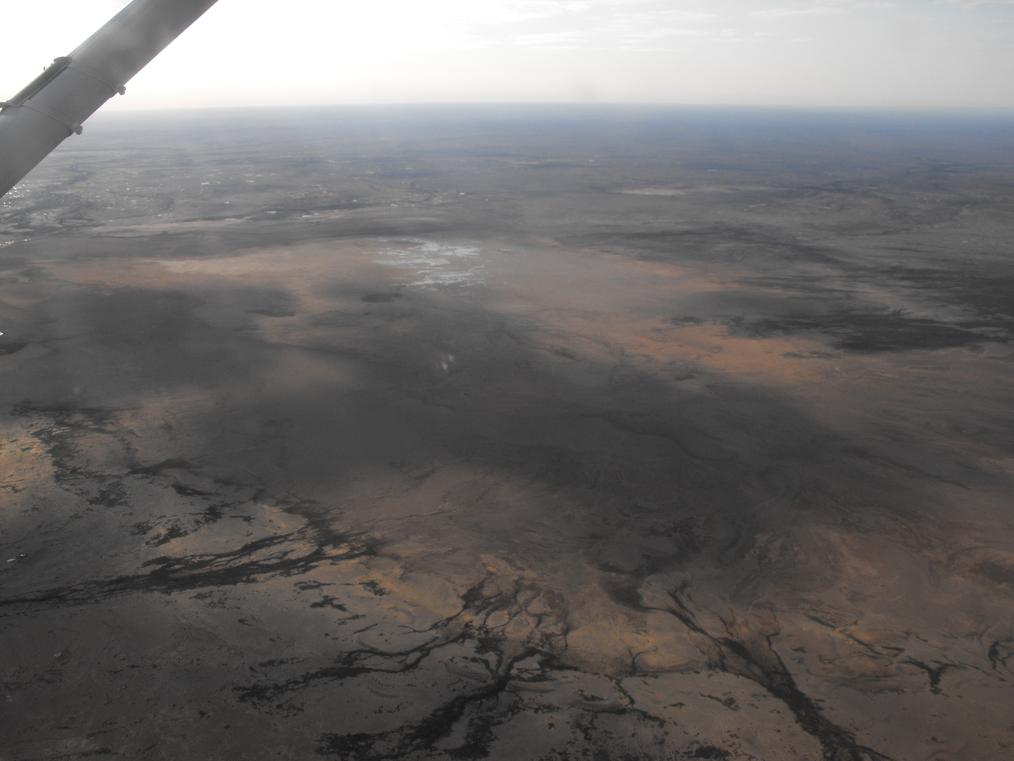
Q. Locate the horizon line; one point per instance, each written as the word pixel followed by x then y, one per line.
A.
pixel 815 108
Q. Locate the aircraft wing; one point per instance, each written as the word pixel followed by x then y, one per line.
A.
pixel 55 105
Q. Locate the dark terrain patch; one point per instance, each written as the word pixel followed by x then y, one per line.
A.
pixel 11 347
pixel 381 298
pixel 864 331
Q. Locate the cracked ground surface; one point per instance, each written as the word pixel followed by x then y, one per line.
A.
pixel 579 436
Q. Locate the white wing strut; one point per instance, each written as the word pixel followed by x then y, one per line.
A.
pixel 55 105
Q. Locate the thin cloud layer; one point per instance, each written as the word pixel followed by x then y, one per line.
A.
pixel 900 53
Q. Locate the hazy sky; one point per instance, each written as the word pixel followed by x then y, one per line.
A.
pixel 905 53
